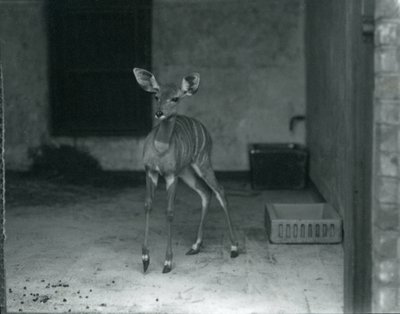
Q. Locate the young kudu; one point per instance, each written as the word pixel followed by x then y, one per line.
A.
pixel 178 147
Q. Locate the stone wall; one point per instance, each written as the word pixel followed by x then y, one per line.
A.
pixel 386 209
pixel 249 53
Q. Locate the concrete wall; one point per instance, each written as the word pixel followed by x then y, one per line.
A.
pixel 249 54
pixel 329 111
pixel 24 55
pixel 250 57
pixel 386 209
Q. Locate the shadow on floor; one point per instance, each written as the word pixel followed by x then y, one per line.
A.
pixel 30 189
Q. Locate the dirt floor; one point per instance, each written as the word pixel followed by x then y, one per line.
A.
pixel 77 248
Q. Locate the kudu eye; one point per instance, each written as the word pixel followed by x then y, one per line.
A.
pixel 156 98
pixel 175 99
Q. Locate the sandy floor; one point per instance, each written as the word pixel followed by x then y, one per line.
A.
pixel 78 249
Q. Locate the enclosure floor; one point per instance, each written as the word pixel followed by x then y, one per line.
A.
pixel 79 249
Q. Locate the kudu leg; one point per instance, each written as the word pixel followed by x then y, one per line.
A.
pixel 171 182
pixel 151 184
pixel 197 184
pixel 206 172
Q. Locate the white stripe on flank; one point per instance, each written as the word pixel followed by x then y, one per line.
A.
pixel 196 137
pixel 204 138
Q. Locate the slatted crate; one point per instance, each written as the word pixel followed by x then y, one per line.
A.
pixel 303 223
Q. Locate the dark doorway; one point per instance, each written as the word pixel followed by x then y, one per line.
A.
pixel 93 47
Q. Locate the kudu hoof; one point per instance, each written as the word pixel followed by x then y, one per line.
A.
pixel 146 264
pixel 193 251
pixel 167 268
pixel 234 254
pixel 234 251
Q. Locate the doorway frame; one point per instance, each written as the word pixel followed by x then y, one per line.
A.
pixel 355 72
pixel 358 228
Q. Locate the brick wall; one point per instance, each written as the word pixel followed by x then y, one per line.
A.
pixel 386 207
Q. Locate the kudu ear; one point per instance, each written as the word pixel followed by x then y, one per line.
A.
pixel 146 80
pixel 190 84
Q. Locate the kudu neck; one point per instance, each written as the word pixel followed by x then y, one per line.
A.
pixel 164 132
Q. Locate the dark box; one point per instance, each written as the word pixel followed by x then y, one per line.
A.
pixel 278 166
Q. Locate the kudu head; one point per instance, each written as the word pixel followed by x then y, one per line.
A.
pixel 167 96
